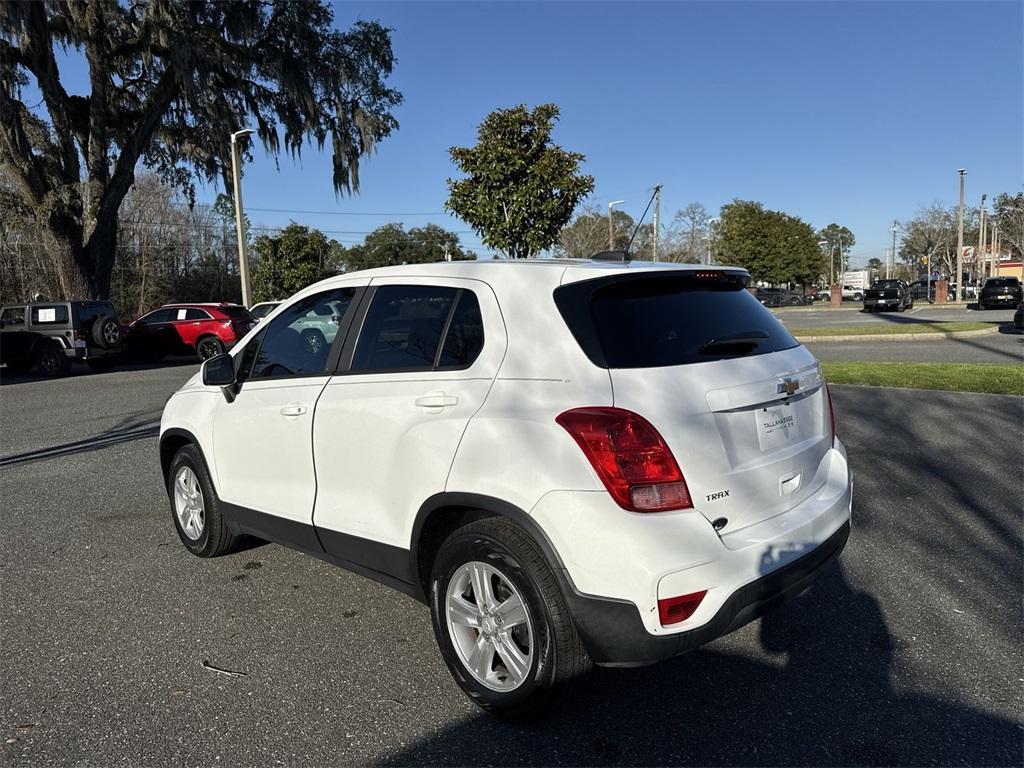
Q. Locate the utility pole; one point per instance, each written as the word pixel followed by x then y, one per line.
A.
pixel 710 256
pixel 960 240
pixel 842 269
pixel 657 217
pixel 888 269
pixel 243 258
pixel 447 256
pixel 611 226
pixel 981 239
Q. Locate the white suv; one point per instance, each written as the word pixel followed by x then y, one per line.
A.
pixel 570 462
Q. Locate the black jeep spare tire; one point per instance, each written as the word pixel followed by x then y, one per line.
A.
pixel 106 332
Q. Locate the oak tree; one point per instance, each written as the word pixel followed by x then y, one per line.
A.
pixel 168 82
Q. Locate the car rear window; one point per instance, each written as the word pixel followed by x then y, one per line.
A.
pixel 1002 282
pixel 886 284
pixel 669 319
pixel 237 313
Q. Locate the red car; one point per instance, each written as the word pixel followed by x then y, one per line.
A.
pixel 181 329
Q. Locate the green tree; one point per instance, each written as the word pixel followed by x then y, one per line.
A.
pixel 520 189
pixel 839 238
pixel 773 246
pixel 390 245
pixel 168 81
pixel 588 233
pixel 1009 216
pixel 291 260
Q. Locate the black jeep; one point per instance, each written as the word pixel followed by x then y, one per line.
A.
pixel 51 335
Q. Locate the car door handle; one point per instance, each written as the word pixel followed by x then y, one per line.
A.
pixel 293 410
pixel 436 400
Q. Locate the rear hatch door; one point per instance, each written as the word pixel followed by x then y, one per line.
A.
pixel 740 402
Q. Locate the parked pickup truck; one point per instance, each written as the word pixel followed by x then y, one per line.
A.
pixel 888 294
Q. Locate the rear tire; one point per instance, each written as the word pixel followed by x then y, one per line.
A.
pixel 521 669
pixel 51 361
pixel 195 507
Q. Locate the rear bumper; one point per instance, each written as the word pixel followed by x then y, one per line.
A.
pixel 614 633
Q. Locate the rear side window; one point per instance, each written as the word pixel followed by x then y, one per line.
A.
pixel 196 314
pixel 298 341
pixel 50 315
pixel 403 328
pixel 465 336
pixel 669 319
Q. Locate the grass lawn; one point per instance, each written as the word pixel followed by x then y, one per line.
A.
pixel 992 378
pixel 892 328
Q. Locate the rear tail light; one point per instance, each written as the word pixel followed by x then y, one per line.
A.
pixel 672 610
pixel 831 417
pixel 630 457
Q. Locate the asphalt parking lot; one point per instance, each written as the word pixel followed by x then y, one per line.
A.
pixel 821 316
pixel 1001 347
pixel 907 653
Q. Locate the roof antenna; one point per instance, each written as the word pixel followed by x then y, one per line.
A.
pixel 639 223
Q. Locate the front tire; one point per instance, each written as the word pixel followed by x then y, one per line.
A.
pixel 501 622
pixel 209 346
pixel 195 508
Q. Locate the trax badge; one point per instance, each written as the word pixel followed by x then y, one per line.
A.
pixel 789 386
pixel 717 495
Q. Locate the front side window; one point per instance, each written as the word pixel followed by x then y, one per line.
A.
pixel 13 317
pixel 298 341
pixel 403 328
pixel 165 315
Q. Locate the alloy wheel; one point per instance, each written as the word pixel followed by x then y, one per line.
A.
pixel 188 503
pixel 490 626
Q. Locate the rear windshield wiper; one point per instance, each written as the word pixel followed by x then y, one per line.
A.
pixel 743 338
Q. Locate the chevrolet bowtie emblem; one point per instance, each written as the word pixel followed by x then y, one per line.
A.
pixel 789 386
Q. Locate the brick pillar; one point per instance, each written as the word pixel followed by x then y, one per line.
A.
pixel 836 295
pixel 941 291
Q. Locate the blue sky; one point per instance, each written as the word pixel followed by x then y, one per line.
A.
pixel 851 112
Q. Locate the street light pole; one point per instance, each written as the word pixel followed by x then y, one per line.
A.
pixel 611 227
pixel 243 259
pixel 709 257
pixel 960 240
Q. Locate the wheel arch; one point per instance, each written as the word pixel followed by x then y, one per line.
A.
pixel 443 513
pixel 171 441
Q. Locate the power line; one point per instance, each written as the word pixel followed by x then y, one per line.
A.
pixel 320 213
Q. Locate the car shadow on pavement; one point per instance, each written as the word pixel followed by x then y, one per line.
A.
pixel 126 431
pixel 828 701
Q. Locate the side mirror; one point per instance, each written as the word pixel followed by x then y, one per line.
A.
pixel 219 371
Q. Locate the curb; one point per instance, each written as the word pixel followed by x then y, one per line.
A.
pixel 896 336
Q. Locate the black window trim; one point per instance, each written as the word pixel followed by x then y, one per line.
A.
pixel 340 338
pixel 344 367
